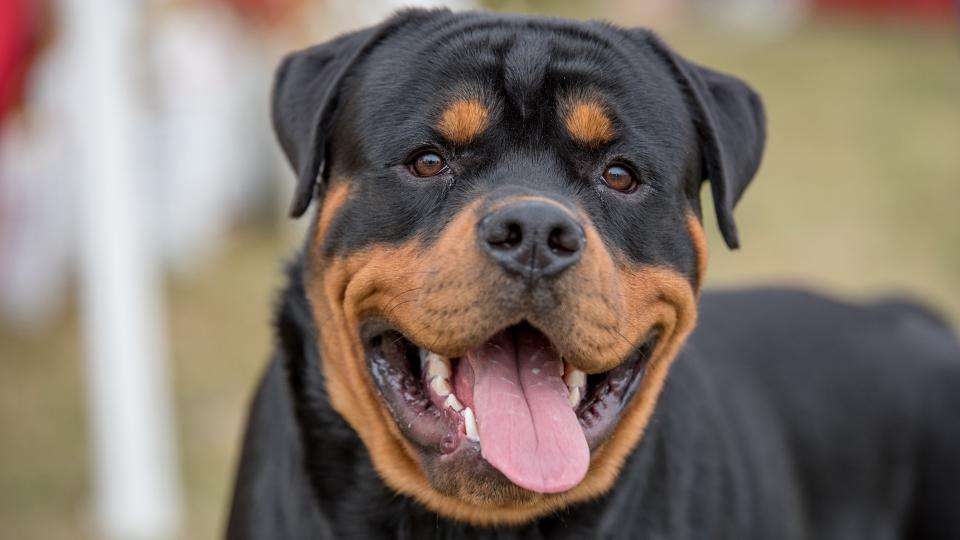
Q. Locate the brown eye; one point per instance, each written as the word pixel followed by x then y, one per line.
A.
pixel 619 178
pixel 427 164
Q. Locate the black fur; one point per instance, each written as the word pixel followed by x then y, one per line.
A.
pixel 786 415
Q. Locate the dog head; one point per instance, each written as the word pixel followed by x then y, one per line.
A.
pixel 508 247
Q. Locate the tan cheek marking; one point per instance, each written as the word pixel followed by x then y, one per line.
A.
pixel 335 197
pixel 351 391
pixel 699 246
pixel 655 297
pixel 588 124
pixel 463 121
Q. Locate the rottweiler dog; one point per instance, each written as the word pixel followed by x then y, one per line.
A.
pixel 504 265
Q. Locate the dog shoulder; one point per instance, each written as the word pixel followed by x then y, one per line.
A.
pixel 272 497
pixel 827 367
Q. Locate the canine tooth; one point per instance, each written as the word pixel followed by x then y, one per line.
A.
pixel 440 386
pixel 574 377
pixel 470 421
pixel 574 397
pixel 438 366
pixel 453 403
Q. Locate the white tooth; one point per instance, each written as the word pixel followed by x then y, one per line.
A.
pixel 574 377
pixel 574 397
pixel 470 421
pixel 440 386
pixel 453 403
pixel 438 366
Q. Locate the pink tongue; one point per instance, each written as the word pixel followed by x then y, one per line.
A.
pixel 528 431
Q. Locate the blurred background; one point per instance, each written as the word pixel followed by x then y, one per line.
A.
pixel 143 232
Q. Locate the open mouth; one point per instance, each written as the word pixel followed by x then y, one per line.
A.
pixel 512 399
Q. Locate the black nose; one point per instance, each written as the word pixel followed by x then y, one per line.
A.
pixel 533 239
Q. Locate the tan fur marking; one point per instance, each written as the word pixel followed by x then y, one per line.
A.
pixel 335 197
pixel 463 120
pixel 699 246
pixel 588 124
pixel 438 295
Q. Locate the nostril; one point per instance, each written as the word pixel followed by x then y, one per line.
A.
pixel 514 235
pixel 563 240
pixel 505 235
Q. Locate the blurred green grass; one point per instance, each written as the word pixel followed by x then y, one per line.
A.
pixel 859 195
pixel 859 192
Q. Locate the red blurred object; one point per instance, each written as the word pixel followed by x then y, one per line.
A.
pixel 921 8
pixel 265 11
pixel 20 33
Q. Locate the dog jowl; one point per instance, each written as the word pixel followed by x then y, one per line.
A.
pixel 506 250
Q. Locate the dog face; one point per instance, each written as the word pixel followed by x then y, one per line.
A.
pixel 508 250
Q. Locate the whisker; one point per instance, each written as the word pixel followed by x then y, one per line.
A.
pixel 434 344
pixel 388 308
pixel 418 272
pixel 627 341
pixel 400 304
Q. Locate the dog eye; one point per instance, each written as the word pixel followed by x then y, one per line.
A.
pixel 427 164
pixel 619 178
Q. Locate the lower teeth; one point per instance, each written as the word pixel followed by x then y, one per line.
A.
pixel 453 403
pixel 470 422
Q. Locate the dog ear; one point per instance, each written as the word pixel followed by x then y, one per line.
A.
pixel 306 92
pixel 731 126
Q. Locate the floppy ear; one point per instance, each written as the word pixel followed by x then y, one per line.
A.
pixel 731 126
pixel 306 92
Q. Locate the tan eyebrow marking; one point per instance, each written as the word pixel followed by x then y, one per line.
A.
pixel 587 122
pixel 463 120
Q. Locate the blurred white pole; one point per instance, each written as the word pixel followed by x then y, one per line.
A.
pixel 135 473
